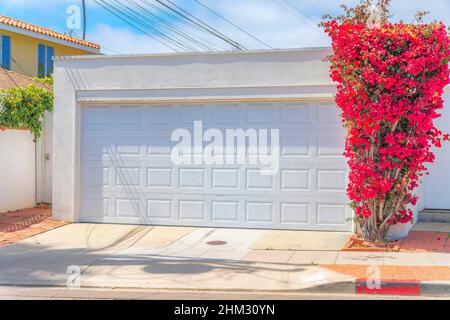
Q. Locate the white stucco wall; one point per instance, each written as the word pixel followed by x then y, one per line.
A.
pixel 17 170
pixel 182 78
pixel 260 75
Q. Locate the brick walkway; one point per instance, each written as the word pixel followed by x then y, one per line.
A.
pixel 420 273
pixel 426 241
pixel 22 224
pixel 416 241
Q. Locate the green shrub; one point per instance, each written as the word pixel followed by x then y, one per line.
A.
pixel 24 107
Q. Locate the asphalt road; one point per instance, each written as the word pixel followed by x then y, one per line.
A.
pixel 60 293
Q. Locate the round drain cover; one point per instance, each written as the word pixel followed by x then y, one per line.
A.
pixel 216 243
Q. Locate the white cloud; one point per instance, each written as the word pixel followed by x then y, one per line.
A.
pixel 265 19
pixel 279 26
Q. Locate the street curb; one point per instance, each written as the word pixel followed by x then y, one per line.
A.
pixel 405 288
pixel 391 287
pixel 344 287
pixel 435 288
pixel 388 287
pixel 425 288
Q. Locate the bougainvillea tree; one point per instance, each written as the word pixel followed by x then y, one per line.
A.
pixel 390 79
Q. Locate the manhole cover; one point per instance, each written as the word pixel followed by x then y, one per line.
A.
pixel 216 243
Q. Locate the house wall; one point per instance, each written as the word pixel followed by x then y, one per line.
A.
pixel 437 183
pixel 17 170
pixel 24 50
pixel 182 78
pixel 285 75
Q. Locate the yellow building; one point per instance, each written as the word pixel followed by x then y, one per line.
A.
pixel 28 49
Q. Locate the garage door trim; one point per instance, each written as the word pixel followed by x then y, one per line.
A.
pixel 79 162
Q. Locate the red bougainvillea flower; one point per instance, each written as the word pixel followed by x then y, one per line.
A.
pixel 390 85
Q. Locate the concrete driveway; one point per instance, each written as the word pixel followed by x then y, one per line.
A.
pixel 102 255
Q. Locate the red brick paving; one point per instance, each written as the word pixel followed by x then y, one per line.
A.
pixel 22 224
pixel 414 273
pixel 426 241
pixel 416 241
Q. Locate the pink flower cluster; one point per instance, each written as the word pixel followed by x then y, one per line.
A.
pixel 390 84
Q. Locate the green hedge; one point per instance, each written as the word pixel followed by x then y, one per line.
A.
pixel 24 107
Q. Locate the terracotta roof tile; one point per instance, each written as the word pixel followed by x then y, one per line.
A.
pixel 9 79
pixel 47 32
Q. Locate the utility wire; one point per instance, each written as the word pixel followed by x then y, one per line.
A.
pixel 233 24
pixel 325 6
pixel 243 47
pixel 135 16
pixel 296 15
pixel 112 50
pixel 287 2
pixel 172 27
pixel 177 18
pixel 9 76
pixel 20 67
pixel 186 15
pixel 104 6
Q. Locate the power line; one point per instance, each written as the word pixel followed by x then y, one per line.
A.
pixel 104 6
pixel 112 50
pixel 233 24
pixel 9 76
pixel 143 21
pixel 295 13
pixel 20 67
pixel 324 6
pixel 177 18
pixel 287 2
pixel 186 15
pixel 171 26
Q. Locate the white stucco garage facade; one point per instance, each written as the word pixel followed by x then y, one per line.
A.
pixel 113 121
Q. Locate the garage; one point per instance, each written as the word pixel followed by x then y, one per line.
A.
pixel 115 119
pixel 127 174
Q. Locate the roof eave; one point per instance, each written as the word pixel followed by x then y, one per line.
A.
pixel 49 38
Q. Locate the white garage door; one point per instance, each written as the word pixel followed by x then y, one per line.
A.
pixel 127 175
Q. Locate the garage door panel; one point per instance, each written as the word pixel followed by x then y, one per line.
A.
pixel 187 210
pixel 328 114
pixel 127 175
pixel 127 117
pixel 97 147
pixel 331 145
pixel 331 214
pixel 296 115
pixel 294 213
pixel 95 205
pixel 95 176
pixel 160 177
pixel 261 116
pixel 160 116
pixel 97 118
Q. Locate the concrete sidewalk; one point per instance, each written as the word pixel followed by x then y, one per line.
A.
pixel 125 256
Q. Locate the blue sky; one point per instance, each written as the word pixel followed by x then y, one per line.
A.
pixel 271 21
